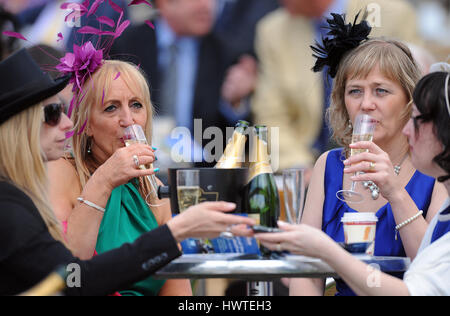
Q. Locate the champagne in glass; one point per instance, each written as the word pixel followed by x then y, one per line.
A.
pixel 188 188
pixel 135 134
pixel 360 138
pixel 363 130
pixel 188 194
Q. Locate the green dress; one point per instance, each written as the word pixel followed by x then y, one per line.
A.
pixel 126 218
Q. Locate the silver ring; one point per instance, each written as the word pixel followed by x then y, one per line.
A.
pixel 136 161
pixel 278 248
pixel 227 233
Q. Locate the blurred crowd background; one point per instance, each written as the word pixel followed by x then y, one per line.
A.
pixel 220 61
pixel 433 17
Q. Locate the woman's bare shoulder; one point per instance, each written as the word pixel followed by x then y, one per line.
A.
pixel 62 171
pixel 64 187
pixel 322 160
pixel 312 214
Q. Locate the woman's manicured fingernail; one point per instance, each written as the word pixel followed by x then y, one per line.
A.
pixel 154 148
pixel 156 170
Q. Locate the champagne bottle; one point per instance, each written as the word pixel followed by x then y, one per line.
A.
pixel 262 193
pixel 233 155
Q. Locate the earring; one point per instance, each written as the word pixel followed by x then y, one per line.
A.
pixel 350 126
pixel 89 144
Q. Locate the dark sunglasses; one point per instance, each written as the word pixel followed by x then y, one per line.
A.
pixel 52 113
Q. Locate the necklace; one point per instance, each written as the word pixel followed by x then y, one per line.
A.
pixel 374 189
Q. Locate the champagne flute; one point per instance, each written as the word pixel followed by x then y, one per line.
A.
pixel 294 194
pixel 135 134
pixel 363 129
pixel 188 188
pixel 188 194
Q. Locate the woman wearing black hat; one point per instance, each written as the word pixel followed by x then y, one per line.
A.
pixel 32 129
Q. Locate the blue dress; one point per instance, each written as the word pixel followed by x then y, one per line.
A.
pixel 420 188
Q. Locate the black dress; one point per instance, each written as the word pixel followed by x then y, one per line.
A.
pixel 28 253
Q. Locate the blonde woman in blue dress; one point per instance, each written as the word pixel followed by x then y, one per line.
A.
pixel 375 77
pixel 429 143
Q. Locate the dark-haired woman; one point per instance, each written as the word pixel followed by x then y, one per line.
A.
pixel 429 273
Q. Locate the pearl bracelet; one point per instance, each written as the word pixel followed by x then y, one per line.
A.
pixel 406 222
pixel 93 205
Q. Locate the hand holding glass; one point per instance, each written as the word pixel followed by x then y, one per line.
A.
pixel 363 129
pixel 294 194
pixel 135 134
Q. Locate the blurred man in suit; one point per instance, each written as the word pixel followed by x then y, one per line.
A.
pixel 288 94
pixel 235 28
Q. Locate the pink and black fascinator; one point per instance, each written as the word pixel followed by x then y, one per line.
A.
pixel 342 38
pixel 87 58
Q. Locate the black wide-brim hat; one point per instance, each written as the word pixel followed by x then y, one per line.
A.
pixel 24 84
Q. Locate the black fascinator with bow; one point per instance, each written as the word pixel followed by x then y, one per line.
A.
pixel 342 38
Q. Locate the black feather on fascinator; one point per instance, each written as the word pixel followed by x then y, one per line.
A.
pixel 342 38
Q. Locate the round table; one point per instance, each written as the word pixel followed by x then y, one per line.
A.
pixel 260 272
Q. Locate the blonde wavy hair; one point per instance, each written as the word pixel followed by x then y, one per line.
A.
pixel 22 162
pixel 94 91
pixel 395 62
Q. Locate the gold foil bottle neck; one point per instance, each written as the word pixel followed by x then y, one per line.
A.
pixel 259 159
pixel 234 154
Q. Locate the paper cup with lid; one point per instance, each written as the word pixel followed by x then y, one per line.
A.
pixel 360 227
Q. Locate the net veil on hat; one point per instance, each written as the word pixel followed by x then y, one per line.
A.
pixel 23 84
